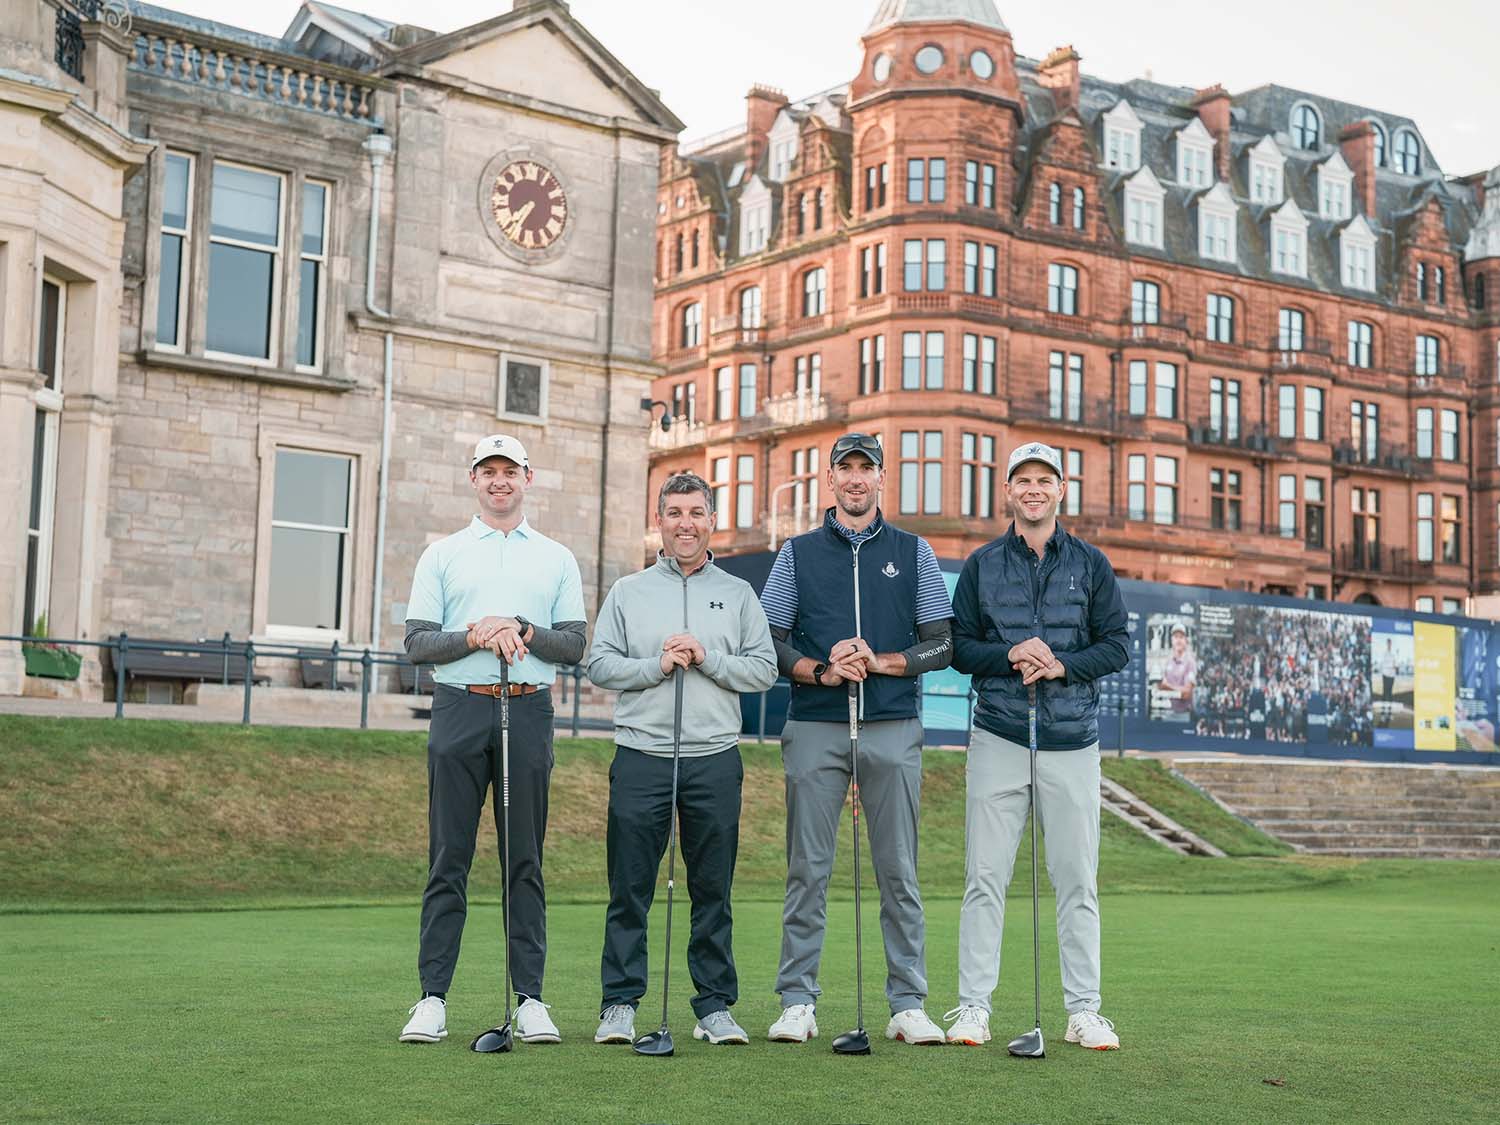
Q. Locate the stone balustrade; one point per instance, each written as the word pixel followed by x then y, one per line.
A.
pixel 241 71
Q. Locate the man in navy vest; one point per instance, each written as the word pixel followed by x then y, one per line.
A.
pixel 860 601
pixel 1040 608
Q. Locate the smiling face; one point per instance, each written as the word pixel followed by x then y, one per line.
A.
pixel 500 486
pixel 1035 493
pixel 856 482
pixel 686 521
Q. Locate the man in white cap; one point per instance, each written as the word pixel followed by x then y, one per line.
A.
pixel 497 590
pixel 1036 608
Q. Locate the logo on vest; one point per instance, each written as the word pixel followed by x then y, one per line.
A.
pixel 715 605
pixel 889 570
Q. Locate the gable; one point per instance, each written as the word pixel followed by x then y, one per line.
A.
pixel 536 63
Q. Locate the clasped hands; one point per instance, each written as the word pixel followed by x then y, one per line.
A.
pixel 501 635
pixel 1035 661
pixel 681 650
pixel 851 661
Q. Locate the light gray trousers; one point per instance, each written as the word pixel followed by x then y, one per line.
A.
pixel 999 780
pixel 816 758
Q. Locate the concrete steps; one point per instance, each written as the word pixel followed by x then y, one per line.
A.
pixel 1151 822
pixel 1359 809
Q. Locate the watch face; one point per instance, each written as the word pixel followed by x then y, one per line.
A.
pixel 528 205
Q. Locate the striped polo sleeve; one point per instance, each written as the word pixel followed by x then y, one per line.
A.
pixel 779 597
pixel 933 603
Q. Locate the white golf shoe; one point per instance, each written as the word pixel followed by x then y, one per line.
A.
pixel 1091 1030
pixel 796 1025
pixel 534 1025
pixel 428 1023
pixel 914 1026
pixel 971 1026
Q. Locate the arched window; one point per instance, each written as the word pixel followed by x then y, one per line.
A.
pixel 691 326
pixel 1307 128
pixel 1062 289
pixel 1479 292
pixel 1408 153
pixel 1380 143
pixel 677 255
pixel 815 292
pixel 695 249
pixel 800 210
pixel 1054 204
pixel 1078 208
pixel 750 307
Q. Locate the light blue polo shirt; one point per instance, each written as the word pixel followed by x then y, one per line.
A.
pixel 480 572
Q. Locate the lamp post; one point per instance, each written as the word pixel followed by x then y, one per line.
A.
pixel 775 493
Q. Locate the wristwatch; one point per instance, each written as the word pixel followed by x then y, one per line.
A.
pixel 524 624
pixel 818 670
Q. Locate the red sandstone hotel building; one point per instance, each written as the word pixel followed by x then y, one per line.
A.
pixel 1262 327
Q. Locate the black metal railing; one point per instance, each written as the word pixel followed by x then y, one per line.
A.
pixel 71 14
pixel 230 661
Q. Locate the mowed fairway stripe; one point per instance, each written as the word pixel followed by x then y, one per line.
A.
pixel 273 1016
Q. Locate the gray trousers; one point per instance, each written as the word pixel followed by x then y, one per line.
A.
pixel 463 762
pixel 816 758
pixel 1067 799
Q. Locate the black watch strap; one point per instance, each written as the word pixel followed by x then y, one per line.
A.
pixel 818 670
pixel 524 624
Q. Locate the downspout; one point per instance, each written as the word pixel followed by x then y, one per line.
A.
pixel 1473 513
pixel 609 379
pixel 1114 426
pixel 379 146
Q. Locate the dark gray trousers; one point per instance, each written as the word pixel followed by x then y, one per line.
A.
pixel 463 761
pixel 640 817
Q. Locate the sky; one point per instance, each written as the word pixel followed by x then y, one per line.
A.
pixel 704 54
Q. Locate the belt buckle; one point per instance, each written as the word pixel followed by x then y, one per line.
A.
pixel 495 690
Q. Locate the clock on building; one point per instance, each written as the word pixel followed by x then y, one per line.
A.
pixel 529 205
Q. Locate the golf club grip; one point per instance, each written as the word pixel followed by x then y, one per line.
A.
pixel 678 678
pixel 853 709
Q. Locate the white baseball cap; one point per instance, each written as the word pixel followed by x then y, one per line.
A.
pixel 500 445
pixel 1034 451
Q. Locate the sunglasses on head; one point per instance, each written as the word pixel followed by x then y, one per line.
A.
pixel 862 443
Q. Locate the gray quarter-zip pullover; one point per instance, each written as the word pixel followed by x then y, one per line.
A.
pixel 640 613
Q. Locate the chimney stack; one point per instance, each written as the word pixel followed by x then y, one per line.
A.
pixel 762 104
pixel 1059 73
pixel 1212 104
pixel 1357 143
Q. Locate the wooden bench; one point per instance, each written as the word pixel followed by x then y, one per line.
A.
pixel 167 660
pixel 318 671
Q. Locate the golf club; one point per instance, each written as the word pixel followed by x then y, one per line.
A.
pixel 499 1039
pixel 856 1042
pixel 1030 1045
pixel 659 1042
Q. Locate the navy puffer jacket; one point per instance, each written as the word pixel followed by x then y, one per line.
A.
pixel 1070 599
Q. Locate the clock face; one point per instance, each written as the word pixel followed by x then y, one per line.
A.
pixel 529 205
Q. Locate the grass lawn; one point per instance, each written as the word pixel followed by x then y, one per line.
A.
pixel 139 860
pixel 1358 996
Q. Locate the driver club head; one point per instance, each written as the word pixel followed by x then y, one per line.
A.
pixel 856 1042
pixel 1028 1046
pixel 496 1040
pixel 656 1043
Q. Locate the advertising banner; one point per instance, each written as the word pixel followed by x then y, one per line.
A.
pixel 1434 692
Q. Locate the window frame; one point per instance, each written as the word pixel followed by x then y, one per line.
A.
pixel 278 253
pixel 184 257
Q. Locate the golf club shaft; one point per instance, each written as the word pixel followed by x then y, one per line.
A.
pixel 859 957
pixel 666 972
pixel 1036 932
pixel 505 816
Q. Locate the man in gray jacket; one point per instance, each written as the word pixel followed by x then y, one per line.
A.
pixel 683 612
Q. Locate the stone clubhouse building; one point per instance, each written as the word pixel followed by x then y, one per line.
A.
pixel 261 295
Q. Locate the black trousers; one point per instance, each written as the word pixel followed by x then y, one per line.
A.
pixel 640 810
pixel 463 761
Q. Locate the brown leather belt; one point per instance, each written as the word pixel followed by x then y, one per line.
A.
pixel 494 690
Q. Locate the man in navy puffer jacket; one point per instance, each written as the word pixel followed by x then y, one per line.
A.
pixel 1040 608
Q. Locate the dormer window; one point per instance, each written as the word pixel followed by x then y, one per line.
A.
pixel 1357 255
pixel 1334 189
pixel 755 217
pixel 1195 150
pixel 1217 224
pixel 1266 163
pixel 783 145
pixel 1289 240
pixel 1143 209
pixel 1408 153
pixel 1378 131
pixel 1307 127
pixel 1122 138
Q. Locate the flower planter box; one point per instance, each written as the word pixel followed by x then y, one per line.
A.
pixel 52 661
